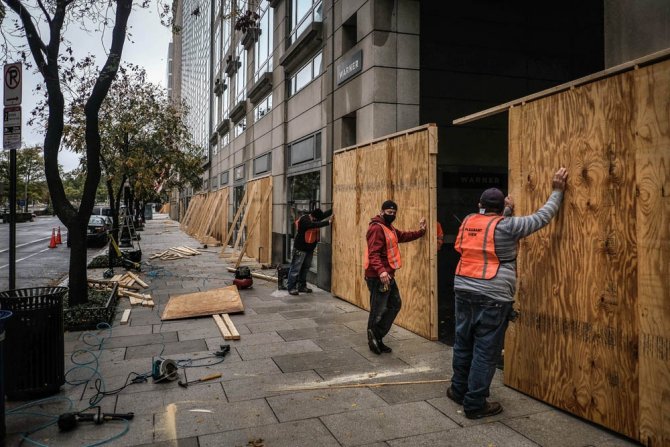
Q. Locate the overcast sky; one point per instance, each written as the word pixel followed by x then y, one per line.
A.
pixel 147 48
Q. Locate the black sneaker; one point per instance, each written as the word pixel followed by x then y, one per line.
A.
pixel 452 396
pixel 293 292
pixel 305 289
pixel 490 409
pixel 373 344
pixel 383 347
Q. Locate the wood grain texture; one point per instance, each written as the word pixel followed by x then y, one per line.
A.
pixel 199 304
pixel 401 168
pixel 259 234
pixel 652 164
pixel 592 286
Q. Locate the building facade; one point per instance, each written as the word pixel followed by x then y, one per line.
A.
pixel 312 76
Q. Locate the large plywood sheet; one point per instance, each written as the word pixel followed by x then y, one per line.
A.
pixel 259 222
pixel 199 304
pixel 652 172
pixel 401 168
pixel 592 286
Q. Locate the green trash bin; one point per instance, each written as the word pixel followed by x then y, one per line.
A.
pixel 34 344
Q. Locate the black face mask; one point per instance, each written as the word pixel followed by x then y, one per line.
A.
pixel 388 219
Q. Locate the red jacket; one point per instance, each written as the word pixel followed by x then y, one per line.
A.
pixel 377 247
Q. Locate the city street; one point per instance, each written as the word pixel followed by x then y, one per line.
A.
pixel 36 263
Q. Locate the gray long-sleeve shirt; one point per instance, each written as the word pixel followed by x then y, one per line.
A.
pixel 508 232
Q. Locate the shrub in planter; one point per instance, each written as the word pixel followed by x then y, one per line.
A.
pixel 100 308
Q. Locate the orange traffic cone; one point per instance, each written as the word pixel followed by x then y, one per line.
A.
pixel 58 240
pixel 52 243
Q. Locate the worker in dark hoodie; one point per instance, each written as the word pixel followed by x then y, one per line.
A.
pixel 308 230
pixel 382 259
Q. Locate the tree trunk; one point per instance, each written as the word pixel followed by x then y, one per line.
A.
pixel 78 292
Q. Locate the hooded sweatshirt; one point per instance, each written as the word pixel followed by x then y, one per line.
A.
pixel 377 246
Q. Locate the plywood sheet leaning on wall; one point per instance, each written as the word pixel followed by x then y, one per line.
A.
pixel 400 167
pixel 259 224
pixel 207 216
pixel 592 286
pixel 652 173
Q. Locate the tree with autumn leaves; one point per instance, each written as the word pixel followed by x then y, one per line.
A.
pixel 144 140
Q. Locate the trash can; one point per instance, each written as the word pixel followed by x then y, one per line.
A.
pixel 4 315
pixel 34 345
pixel 282 276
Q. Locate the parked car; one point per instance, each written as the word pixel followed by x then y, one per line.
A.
pixel 96 233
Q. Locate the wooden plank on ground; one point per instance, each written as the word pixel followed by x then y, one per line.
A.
pixel 125 317
pixel 200 304
pixel 225 333
pixel 231 327
pixel 137 279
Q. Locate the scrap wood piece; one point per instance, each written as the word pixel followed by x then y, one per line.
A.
pixel 135 301
pixel 200 304
pixel 125 317
pixel 225 333
pixel 231 327
pixel 137 279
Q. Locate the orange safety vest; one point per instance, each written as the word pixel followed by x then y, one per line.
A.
pixel 392 249
pixel 311 235
pixel 476 244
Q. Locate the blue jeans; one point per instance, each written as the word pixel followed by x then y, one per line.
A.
pixel 481 323
pixel 300 263
pixel 384 307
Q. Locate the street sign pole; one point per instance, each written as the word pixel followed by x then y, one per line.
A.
pixel 11 138
pixel 12 219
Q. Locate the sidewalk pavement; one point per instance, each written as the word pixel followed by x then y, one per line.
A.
pixel 287 343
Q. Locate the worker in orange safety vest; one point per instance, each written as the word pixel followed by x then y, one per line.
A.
pixel 307 235
pixel 484 288
pixel 381 260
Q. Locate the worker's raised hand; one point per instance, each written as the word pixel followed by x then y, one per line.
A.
pixel 559 180
pixel 422 224
pixel 509 202
pixel 331 218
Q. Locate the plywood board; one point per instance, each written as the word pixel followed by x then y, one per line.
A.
pixel 198 304
pixel 401 168
pixel 592 337
pixel 259 238
pixel 652 173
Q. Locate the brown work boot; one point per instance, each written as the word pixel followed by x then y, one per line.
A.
pixel 490 409
pixel 451 395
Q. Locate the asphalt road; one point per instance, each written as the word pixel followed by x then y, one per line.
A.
pixel 36 264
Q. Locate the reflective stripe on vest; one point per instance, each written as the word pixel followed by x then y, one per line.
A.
pixel 476 244
pixel 312 235
pixel 392 249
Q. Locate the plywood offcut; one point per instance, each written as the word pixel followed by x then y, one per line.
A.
pixel 199 304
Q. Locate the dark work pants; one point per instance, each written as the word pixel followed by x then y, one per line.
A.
pixel 481 323
pixel 384 307
pixel 300 264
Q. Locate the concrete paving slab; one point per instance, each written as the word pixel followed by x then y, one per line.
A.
pixel 557 429
pixel 251 317
pixel 343 341
pixel 268 385
pixel 165 349
pixel 307 433
pixel 136 340
pixel 360 427
pixel 278 325
pixel 196 419
pixel 246 340
pixel 242 369
pixel 395 394
pixel 322 359
pixel 365 371
pixel 184 442
pixel 309 313
pixel 277 307
pixel 492 434
pixel 280 349
pixel 157 401
pixel 359 316
pixel 308 404
pixel 324 331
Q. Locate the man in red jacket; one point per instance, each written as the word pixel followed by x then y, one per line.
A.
pixel 382 260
